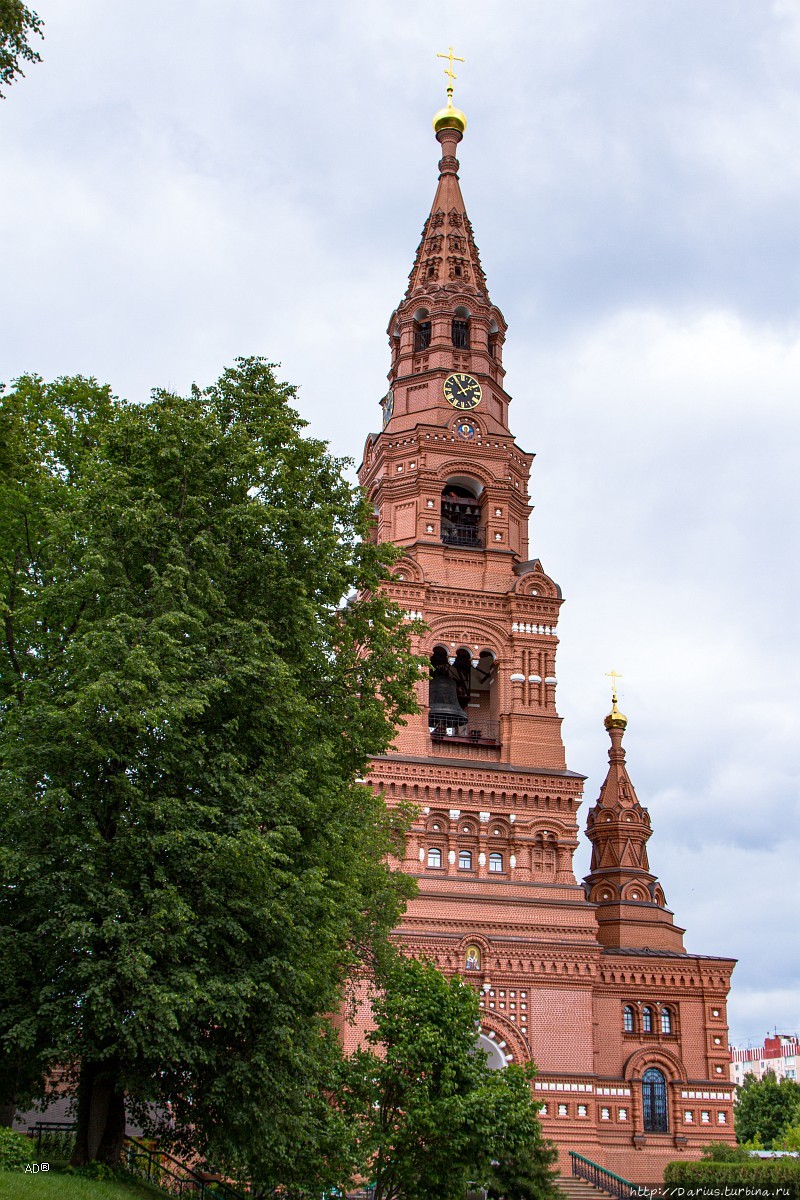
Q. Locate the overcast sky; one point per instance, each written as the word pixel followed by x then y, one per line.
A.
pixel 184 182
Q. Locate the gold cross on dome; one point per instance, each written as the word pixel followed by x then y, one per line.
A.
pixel 451 58
pixel 614 676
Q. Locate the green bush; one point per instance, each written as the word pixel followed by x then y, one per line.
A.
pixel 98 1171
pixel 781 1173
pixel 725 1152
pixel 15 1150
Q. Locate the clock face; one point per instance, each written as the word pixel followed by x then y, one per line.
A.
pixel 387 404
pixel 462 391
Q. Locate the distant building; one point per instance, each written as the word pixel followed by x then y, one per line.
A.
pixel 780 1053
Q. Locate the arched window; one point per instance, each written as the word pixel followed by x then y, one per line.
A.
pixel 464 860
pixel 666 1021
pixel 495 862
pixel 627 1019
pixel 434 857
pixel 492 340
pixel 654 1101
pixel 460 334
pixel 647 1020
pixel 460 327
pixel 422 330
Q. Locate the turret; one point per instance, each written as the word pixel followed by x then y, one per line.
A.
pixel 631 907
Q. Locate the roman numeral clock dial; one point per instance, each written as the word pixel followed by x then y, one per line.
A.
pixel 462 391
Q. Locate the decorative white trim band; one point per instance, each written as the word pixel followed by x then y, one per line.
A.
pixel 545 1086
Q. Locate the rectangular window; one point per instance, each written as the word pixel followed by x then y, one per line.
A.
pixel 583 1110
pixel 705 1118
pixel 688 1117
pixel 623 1114
pixel 722 1118
pixel 605 1114
pixel 562 1110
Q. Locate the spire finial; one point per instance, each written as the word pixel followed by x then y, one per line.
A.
pixel 449 72
pixel 615 719
pixel 450 117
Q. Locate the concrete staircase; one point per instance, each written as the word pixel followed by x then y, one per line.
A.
pixel 578 1189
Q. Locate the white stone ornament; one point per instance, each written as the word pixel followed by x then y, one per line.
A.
pixel 481 860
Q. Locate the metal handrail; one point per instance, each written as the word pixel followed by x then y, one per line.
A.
pixel 483 734
pixel 469 536
pixel 601 1177
pixel 153 1165
pixel 172 1175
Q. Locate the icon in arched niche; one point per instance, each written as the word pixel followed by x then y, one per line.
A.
pixel 472 961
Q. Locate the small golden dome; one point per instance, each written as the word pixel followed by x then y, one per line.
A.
pixel 615 719
pixel 449 118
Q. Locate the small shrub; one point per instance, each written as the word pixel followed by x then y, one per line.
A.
pixel 98 1171
pixel 724 1152
pixel 15 1150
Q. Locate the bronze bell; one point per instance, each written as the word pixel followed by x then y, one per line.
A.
pixel 444 710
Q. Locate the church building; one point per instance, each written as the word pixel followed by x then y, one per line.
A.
pixel 588 978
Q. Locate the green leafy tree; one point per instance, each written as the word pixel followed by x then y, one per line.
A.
pixel 189 867
pixel 765 1108
pixel 790 1137
pixel 17 26
pixel 433 1116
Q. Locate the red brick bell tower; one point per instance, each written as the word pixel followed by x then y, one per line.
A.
pixel 565 970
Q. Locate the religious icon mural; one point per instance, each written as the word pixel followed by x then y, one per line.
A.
pixel 473 959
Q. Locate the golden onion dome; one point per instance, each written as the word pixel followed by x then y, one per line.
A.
pixel 615 719
pixel 449 118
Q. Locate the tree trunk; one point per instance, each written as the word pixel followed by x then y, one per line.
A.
pixel 7 1112
pixel 100 1117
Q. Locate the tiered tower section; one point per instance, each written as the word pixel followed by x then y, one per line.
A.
pixel 484 762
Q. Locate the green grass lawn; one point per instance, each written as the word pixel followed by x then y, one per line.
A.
pixel 16 1185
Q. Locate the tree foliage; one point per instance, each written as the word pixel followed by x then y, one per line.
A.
pixel 17 25
pixel 433 1116
pixel 789 1139
pixel 765 1108
pixel 189 865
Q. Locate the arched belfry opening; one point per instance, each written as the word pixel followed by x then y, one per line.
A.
pixel 461 514
pixel 460 327
pixel 422 330
pixel 492 343
pixel 460 695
